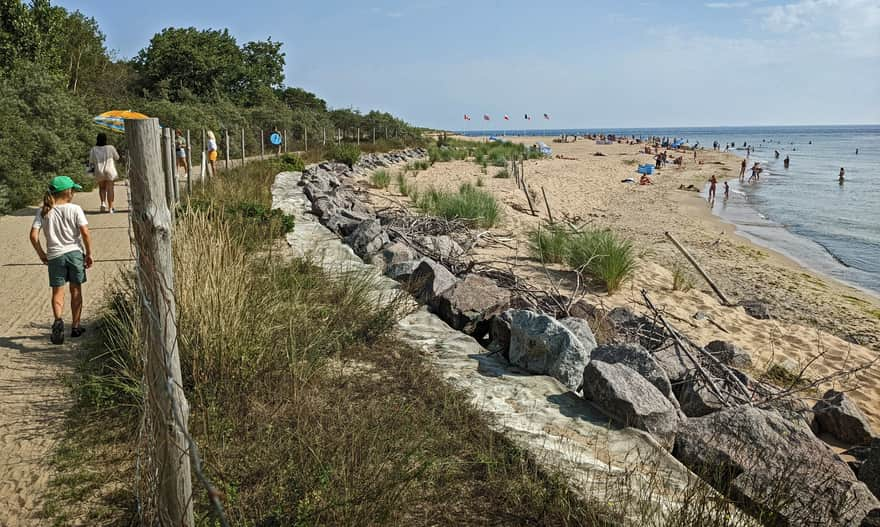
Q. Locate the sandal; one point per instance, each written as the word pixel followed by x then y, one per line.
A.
pixel 77 331
pixel 58 332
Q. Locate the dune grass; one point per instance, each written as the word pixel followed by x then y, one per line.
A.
pixel 380 178
pixel 306 409
pixel 599 254
pixel 469 203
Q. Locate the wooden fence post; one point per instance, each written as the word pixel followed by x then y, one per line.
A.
pixel 285 140
pixel 359 136
pixel 189 163
pixel 374 135
pixel 262 145
pixel 306 138
pixel 227 149
pixel 152 224
pixel 242 147
pixel 204 175
pixel 167 168
pixel 323 136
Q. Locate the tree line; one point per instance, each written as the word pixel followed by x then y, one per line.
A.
pixel 56 73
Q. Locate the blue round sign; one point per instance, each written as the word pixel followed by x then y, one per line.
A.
pixel 275 138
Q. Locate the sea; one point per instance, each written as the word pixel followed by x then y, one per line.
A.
pixel 803 212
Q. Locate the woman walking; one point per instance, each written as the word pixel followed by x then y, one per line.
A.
pixel 68 251
pixel 102 158
pixel 212 152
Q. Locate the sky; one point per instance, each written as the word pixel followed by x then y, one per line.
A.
pixel 589 64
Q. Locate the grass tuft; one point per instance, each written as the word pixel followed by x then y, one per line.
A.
pixel 380 179
pixel 469 203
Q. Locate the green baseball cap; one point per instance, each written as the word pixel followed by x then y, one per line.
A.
pixel 62 183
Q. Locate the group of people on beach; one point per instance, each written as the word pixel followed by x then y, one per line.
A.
pixel 68 252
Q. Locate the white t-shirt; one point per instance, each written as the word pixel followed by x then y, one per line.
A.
pixel 102 157
pixel 61 228
pixel 212 145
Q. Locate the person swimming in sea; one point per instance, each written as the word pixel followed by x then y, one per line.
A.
pixel 786 161
pixel 840 177
pixel 776 153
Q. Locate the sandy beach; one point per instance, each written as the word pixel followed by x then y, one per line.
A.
pixel 818 323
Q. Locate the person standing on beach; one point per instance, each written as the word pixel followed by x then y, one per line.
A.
pixel 68 251
pixel 102 159
pixel 726 191
pixel 713 181
pixel 742 170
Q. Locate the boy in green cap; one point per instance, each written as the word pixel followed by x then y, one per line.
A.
pixel 68 251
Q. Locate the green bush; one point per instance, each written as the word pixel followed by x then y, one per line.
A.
pixel 380 179
pixel 602 255
pixel 502 174
pixel 292 163
pixel 403 184
pixel 469 203
pixel 344 153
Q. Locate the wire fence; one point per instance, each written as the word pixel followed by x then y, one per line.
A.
pixel 167 455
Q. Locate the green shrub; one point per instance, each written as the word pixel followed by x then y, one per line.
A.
pixel 550 244
pixel 480 182
pixel 344 153
pixel 602 255
pixel 292 163
pixel 469 203
pixel 380 179
pixel 502 174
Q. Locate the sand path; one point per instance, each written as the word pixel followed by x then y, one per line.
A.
pixel 33 398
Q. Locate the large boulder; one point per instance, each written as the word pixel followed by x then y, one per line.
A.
pixel 499 335
pixel 428 280
pixel 697 398
pixel 773 467
pixel 677 366
pixel 393 254
pixel 629 399
pixel 638 359
pixel 442 247
pixel 367 238
pixel 581 330
pixel 869 472
pixel 470 304
pixel 541 344
pixel 838 415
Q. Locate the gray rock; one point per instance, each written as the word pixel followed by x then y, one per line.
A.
pixel 756 309
pixel 677 365
pixel 367 238
pixel 729 353
pixel 393 254
pixel 773 467
pixel 637 358
pixel 582 331
pixel 341 225
pixel 697 399
pixel 402 272
pixel 469 304
pixel 838 415
pixel 429 279
pixel 442 247
pixel 541 344
pixel 499 335
pixel 629 399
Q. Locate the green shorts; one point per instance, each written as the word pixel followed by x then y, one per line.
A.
pixel 69 267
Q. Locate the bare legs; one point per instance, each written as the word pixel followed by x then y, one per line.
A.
pixel 106 193
pixel 76 302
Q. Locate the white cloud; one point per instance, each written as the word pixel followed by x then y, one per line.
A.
pixel 850 26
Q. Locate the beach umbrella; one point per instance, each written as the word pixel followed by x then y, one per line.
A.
pixel 114 120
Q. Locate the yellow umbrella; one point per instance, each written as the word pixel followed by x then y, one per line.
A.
pixel 114 119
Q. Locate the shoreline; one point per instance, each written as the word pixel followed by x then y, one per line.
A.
pixel 817 322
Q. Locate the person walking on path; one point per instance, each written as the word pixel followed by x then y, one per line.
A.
pixel 68 251
pixel 180 148
pixel 212 152
pixel 102 159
